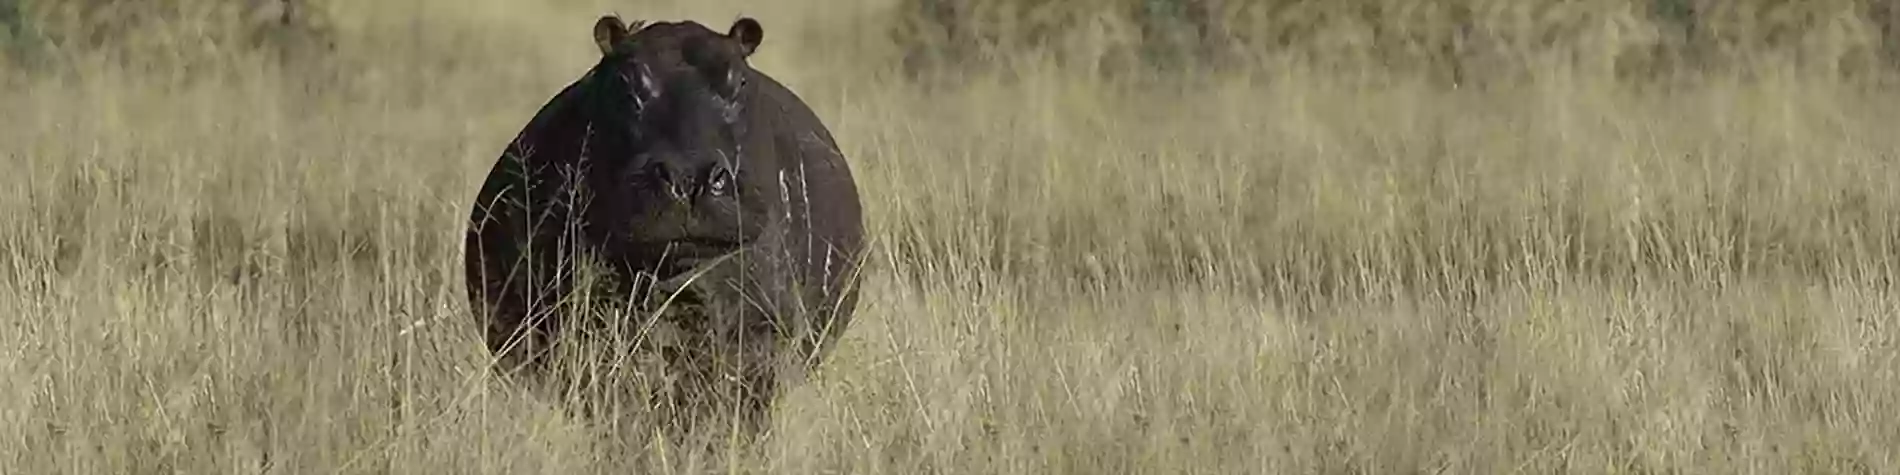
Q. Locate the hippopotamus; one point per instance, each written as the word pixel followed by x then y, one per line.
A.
pixel 703 190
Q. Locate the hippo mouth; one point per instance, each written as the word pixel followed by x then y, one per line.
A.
pixel 683 255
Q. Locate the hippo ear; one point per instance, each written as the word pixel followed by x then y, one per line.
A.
pixel 609 31
pixel 748 32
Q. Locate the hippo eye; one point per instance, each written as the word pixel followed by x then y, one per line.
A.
pixel 721 182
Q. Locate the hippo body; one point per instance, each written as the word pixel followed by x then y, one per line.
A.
pixel 707 192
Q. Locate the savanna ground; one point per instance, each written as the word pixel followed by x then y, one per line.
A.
pixel 1451 236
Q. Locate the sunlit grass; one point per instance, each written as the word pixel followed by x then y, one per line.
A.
pixel 253 264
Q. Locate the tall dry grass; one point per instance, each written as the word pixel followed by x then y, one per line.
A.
pixel 240 259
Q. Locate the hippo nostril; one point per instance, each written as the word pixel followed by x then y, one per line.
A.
pixel 665 179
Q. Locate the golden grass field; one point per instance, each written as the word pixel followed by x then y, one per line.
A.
pixel 218 261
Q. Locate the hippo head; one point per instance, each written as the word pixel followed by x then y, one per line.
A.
pixel 665 109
